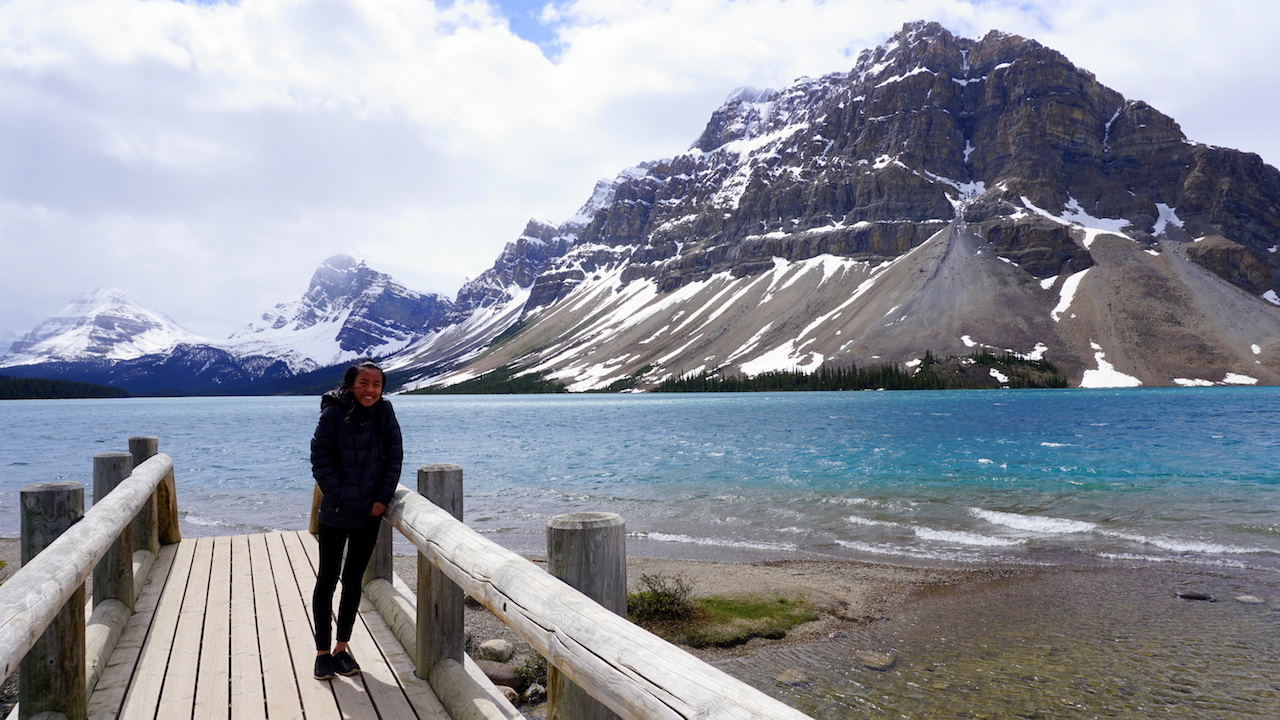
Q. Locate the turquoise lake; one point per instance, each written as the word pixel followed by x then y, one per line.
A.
pixel 1187 475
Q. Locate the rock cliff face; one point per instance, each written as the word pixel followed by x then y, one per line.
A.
pixel 931 147
pixel 349 310
pixel 924 130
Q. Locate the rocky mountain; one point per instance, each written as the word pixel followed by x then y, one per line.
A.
pixel 348 311
pixel 102 325
pixel 945 195
pixel 492 304
pixel 105 337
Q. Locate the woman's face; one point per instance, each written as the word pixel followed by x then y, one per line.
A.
pixel 367 387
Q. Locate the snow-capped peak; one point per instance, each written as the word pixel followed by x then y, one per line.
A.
pixel 103 324
pixel 349 310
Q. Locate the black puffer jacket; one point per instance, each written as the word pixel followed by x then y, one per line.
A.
pixel 356 454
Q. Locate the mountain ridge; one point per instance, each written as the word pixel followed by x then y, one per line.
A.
pixel 945 195
pixel 1001 136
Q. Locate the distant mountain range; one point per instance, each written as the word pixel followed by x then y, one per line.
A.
pixel 946 195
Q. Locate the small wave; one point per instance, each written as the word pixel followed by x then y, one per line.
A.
pixel 1054 444
pixel 207 522
pixel 901 551
pixel 849 501
pixel 1189 546
pixel 1212 562
pixel 856 520
pixel 1033 523
pixel 961 537
pixel 714 542
pixel 957 537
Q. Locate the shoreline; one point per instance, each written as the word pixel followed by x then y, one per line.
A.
pixel 995 638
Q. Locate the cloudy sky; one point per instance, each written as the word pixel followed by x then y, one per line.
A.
pixel 205 157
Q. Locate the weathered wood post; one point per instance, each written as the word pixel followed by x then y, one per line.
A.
pixel 146 534
pixel 313 527
pixel 113 575
pixel 380 565
pixel 588 551
pixel 167 510
pixel 52 674
pixel 440 613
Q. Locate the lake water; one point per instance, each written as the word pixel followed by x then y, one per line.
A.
pixel 1188 475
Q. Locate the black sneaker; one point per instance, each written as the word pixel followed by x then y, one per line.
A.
pixel 344 664
pixel 324 667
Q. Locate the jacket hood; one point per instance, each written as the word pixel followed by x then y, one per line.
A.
pixel 336 397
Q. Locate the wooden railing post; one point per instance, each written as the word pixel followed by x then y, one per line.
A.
pixel 380 565
pixel 113 575
pixel 313 526
pixel 440 613
pixel 146 533
pixel 52 674
pixel 588 551
pixel 167 510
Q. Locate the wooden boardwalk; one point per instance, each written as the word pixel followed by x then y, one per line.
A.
pixel 223 630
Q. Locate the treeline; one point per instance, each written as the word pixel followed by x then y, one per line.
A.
pixel 887 377
pixel 951 373
pixel 42 389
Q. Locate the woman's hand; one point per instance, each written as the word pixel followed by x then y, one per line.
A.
pixel 378 509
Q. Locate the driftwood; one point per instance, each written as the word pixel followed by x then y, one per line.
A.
pixel 634 673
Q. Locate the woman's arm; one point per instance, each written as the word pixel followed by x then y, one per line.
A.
pixel 392 455
pixel 325 465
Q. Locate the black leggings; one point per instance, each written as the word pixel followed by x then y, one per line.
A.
pixel 359 545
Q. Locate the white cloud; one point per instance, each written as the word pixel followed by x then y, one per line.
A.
pixel 206 157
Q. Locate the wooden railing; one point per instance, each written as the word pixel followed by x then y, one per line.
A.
pixel 43 630
pixel 610 667
pixel 631 672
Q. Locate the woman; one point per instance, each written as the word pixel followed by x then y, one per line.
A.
pixel 356 454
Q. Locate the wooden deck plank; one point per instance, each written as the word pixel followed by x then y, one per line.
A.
pixel 144 693
pixel 223 631
pixel 280 684
pixel 177 698
pixel 108 695
pixel 422 699
pixel 213 681
pixel 317 696
pixel 418 691
pixel 377 679
pixel 247 699
pixel 352 698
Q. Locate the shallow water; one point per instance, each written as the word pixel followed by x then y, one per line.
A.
pixel 1189 475
pixel 1084 643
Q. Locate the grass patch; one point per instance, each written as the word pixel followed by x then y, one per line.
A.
pixel 730 621
pixel 663 605
pixel 533 670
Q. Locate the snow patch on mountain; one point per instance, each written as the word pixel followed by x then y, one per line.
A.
pixel 1075 216
pixel 1106 375
pixel 1068 294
